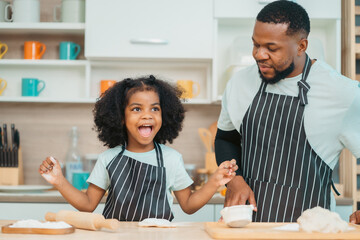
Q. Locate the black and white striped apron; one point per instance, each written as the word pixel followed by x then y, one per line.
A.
pixel 278 163
pixel 137 190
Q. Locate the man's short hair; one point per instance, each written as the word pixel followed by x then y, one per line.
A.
pixel 286 12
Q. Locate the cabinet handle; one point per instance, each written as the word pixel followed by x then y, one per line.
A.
pixel 152 41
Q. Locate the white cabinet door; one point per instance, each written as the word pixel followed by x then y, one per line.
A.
pixel 149 29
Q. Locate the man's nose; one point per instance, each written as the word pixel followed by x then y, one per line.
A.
pixel 261 54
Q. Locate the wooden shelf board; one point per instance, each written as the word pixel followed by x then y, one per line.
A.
pixel 358 77
pixel 42 28
pixel 358 169
pixel 77 100
pixel 43 62
pixel 358 195
pixel 357 31
pixel 357 10
pixel 357 48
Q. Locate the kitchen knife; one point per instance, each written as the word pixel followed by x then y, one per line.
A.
pixel 11 151
pixel 1 150
pixel 16 150
pixel 5 146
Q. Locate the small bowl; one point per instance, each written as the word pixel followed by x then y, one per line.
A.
pixel 238 215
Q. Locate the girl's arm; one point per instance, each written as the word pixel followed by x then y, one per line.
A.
pixel 191 202
pixel 83 201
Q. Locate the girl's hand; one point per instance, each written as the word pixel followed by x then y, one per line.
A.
pixel 224 173
pixel 50 170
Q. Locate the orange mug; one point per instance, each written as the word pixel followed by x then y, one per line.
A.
pixel 105 85
pixel 33 50
pixel 187 86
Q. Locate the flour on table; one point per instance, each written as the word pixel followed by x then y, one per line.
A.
pixel 321 220
pixel 30 223
pixel 155 222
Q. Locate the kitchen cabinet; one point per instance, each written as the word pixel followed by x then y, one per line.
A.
pixel 172 40
pixel 149 29
pixel 234 25
pixel 66 80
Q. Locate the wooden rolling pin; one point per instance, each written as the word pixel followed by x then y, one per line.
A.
pixel 84 220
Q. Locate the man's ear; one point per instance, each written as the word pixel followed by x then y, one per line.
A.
pixel 302 46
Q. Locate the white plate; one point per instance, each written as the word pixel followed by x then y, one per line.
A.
pixel 24 188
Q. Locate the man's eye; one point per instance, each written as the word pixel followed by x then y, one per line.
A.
pixel 272 49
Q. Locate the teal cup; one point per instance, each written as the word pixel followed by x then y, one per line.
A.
pixel 79 180
pixel 69 50
pixel 32 87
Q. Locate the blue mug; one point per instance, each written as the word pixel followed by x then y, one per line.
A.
pixel 79 180
pixel 69 50
pixel 30 87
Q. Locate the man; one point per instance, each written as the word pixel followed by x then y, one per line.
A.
pixel 285 120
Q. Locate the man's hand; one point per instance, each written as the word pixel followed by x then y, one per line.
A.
pixel 355 217
pixel 238 192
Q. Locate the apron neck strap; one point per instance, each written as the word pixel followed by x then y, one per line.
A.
pixel 159 155
pixel 303 85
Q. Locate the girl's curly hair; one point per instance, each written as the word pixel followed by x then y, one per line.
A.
pixel 109 110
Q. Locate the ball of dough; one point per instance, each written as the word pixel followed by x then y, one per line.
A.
pixel 321 220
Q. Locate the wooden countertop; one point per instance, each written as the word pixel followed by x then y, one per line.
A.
pixel 128 230
pixel 55 197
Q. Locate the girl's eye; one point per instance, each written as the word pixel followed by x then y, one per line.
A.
pixel 156 109
pixel 136 109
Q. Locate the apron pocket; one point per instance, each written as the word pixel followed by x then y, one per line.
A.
pixel 276 202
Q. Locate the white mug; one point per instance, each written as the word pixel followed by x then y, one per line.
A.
pixel 23 11
pixel 71 11
pixel 2 10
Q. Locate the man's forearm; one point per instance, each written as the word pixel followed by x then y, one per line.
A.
pixel 227 147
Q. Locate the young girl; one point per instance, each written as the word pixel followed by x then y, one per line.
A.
pixel 135 118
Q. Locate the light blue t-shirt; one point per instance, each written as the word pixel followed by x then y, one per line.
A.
pixel 331 118
pixel 176 175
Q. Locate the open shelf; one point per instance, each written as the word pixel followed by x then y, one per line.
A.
pixel 42 28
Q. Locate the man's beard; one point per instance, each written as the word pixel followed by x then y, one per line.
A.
pixel 278 74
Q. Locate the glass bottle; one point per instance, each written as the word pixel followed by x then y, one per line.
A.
pixel 73 157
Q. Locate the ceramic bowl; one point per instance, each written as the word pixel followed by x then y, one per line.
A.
pixel 238 215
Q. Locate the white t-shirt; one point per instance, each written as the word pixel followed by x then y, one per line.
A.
pixel 331 118
pixel 176 175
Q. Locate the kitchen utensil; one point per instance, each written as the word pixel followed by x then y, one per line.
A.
pixel 213 131
pixel 187 86
pixel 84 220
pixel 50 231
pixel 205 136
pixel 3 48
pixel 1 150
pixel 69 50
pixel 16 147
pixel 23 11
pixel 237 215
pixel 34 49
pixel 219 230
pixel 30 87
pixel 5 151
pixel 210 160
pixel 3 84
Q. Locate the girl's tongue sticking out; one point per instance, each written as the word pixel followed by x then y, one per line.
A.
pixel 145 131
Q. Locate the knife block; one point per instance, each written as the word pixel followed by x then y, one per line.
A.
pixel 13 175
